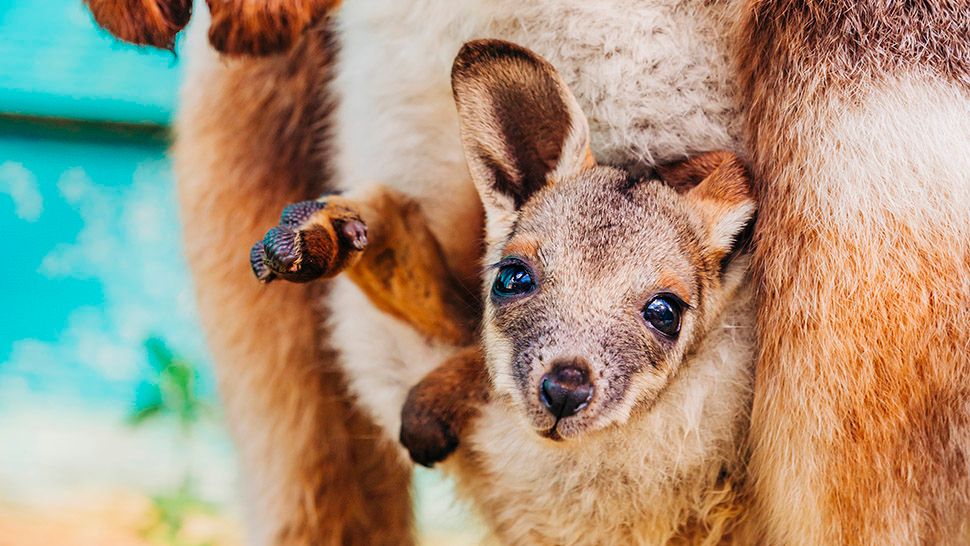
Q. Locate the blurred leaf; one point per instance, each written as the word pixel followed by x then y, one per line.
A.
pixel 171 390
pixel 159 355
pixel 148 403
pixel 141 415
pixel 171 512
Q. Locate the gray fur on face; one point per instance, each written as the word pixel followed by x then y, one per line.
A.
pixel 601 246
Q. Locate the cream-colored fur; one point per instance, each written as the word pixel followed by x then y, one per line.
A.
pixel 636 483
pixel 653 78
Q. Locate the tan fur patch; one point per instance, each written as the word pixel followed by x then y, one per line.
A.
pixel 674 283
pixel 523 247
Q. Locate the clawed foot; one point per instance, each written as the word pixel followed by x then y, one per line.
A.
pixel 314 239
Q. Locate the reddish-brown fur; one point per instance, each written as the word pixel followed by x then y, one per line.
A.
pixel 237 27
pixel 864 325
pixel 143 22
pixel 439 409
pixel 261 27
pixel 248 147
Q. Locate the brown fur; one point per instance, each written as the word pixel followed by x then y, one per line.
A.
pixel 877 405
pixel 143 22
pixel 237 27
pixel 245 149
pixel 439 409
pixel 403 271
pixel 262 27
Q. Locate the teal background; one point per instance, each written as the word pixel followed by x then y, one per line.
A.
pixel 86 205
pixel 93 267
pixel 55 63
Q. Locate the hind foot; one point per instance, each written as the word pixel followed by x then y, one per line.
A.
pixel 314 239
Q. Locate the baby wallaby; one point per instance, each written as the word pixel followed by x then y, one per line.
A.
pixel 617 329
pixel 607 401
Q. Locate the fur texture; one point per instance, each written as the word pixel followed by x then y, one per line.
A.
pixel 860 129
pixel 143 22
pixel 395 124
pixel 262 27
pixel 650 455
pixel 314 470
pixel 238 27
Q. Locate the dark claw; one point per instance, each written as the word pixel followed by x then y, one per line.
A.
pixel 355 233
pixel 257 259
pixel 297 251
pixel 296 214
pixel 281 250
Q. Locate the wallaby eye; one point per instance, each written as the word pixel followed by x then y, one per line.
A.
pixel 663 313
pixel 513 279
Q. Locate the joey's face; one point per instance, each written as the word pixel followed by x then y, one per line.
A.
pixel 595 296
pixel 600 283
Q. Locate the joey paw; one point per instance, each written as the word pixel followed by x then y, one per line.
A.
pixel 313 239
pixel 428 436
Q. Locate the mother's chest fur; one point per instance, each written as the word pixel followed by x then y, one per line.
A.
pixel 652 76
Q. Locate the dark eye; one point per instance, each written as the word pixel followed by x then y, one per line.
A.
pixel 663 313
pixel 513 279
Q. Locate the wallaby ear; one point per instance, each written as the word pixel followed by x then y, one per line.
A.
pixel 521 128
pixel 143 22
pixel 724 196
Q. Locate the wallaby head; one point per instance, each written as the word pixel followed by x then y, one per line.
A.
pixel 599 282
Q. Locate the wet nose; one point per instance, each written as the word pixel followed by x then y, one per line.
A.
pixel 566 389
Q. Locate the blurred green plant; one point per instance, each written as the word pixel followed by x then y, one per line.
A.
pixel 170 515
pixel 171 392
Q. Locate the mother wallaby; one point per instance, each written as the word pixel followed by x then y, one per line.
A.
pixel 855 114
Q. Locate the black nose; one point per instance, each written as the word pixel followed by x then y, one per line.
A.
pixel 566 390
